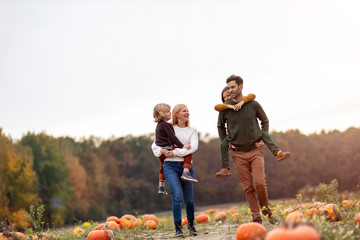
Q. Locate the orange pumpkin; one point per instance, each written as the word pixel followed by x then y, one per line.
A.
pixel 77 232
pixel 210 211
pixel 129 216
pixel 296 216
pixel 113 225
pixel 151 224
pixel 146 217
pixel 232 210
pixel 12 235
pixel 42 236
pixel 357 219
pixel 184 222
pixel 288 210
pixel 202 218
pixel 130 223
pixel 346 203
pixel 220 216
pixel 311 212
pixel 236 216
pixel 319 205
pixel 300 232
pixel 100 226
pixel 250 231
pixel 113 218
pixel 100 235
pixel 126 223
pixel 331 211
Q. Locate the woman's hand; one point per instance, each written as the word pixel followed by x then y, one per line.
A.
pixel 164 151
pixel 169 154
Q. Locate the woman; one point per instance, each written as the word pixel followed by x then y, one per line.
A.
pixel 173 168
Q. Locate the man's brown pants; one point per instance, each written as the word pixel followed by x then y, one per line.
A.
pixel 251 170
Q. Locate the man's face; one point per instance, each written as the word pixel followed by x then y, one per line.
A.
pixel 234 89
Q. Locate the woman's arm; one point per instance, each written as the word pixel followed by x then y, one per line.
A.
pixel 194 143
pixel 156 149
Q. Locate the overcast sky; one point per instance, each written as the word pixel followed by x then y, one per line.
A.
pixel 95 67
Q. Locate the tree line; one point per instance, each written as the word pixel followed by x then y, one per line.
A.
pixel 90 179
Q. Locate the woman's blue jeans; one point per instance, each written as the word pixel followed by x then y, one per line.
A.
pixel 179 188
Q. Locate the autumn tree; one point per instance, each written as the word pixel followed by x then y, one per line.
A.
pixel 18 185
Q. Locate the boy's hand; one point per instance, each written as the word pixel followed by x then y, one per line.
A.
pixel 188 147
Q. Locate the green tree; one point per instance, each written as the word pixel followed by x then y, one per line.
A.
pixel 53 175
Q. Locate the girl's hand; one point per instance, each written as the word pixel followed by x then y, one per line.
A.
pixel 188 147
pixel 231 106
pixel 239 105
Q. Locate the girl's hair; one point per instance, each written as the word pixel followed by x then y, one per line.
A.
pixel 175 110
pixel 222 93
pixel 159 111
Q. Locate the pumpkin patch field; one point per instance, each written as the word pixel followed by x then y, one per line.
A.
pixel 296 220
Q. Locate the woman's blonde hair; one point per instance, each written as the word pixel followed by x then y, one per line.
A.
pixel 159 111
pixel 177 109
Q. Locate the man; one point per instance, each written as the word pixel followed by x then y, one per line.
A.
pixel 243 132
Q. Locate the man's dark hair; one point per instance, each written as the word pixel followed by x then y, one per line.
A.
pixel 235 78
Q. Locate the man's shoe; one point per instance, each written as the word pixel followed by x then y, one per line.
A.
pixel 162 190
pixel 267 212
pixel 273 219
pixel 225 172
pixel 191 228
pixel 282 156
pixel 187 177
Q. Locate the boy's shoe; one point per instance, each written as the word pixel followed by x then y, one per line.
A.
pixel 257 220
pixel 187 177
pixel 162 190
pixel 225 172
pixel 282 156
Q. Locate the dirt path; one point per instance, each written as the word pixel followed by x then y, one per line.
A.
pixel 222 231
pixel 218 231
